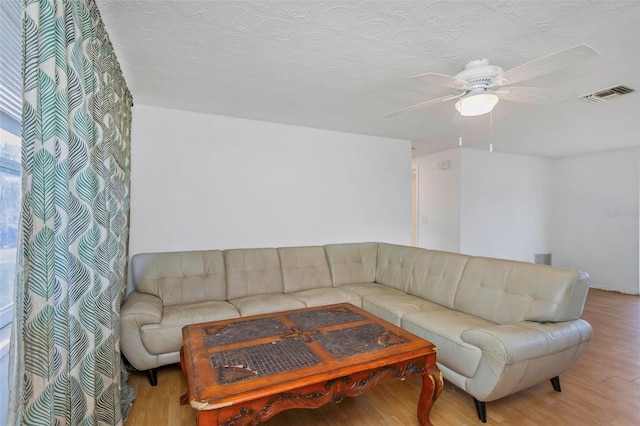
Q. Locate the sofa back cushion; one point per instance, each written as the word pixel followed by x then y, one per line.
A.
pixel 436 276
pixel 395 265
pixel 352 263
pixel 304 268
pixel 252 271
pixel 180 277
pixel 505 291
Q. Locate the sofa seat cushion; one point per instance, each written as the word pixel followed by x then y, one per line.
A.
pixel 370 289
pixel 326 296
pixel 166 336
pixel 266 303
pixel 392 307
pixel 443 328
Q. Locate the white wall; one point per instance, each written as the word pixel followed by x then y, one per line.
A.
pixel 439 201
pixel 505 204
pixel 583 210
pixel 595 225
pixel 211 182
pixel 485 204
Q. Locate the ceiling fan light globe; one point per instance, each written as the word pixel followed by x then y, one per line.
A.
pixel 479 104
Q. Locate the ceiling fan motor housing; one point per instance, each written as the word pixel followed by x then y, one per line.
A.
pixel 479 72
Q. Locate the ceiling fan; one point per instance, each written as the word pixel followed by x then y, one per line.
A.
pixel 482 85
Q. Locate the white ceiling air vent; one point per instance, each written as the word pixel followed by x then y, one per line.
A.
pixel 606 94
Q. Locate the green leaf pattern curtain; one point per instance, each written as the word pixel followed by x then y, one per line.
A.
pixel 65 357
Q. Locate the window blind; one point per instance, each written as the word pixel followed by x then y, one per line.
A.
pixel 10 66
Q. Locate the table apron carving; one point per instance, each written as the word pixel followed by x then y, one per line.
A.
pixel 332 391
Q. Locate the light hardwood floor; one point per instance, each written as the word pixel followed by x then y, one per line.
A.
pixel 603 388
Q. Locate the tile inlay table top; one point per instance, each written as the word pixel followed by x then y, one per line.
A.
pixel 245 370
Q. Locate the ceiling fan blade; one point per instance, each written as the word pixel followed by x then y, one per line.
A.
pixel 532 95
pixel 545 65
pixel 435 79
pixel 422 105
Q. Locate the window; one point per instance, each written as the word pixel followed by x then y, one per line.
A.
pixel 9 216
pixel 10 145
pixel 10 184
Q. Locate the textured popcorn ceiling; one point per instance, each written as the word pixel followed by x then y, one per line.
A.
pixel 342 65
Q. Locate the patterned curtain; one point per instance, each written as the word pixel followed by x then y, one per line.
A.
pixel 65 359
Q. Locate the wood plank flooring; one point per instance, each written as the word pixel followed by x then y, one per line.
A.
pixel 603 388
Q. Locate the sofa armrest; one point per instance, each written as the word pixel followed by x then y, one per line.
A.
pixel 142 308
pixel 516 356
pixel 526 340
pixel 138 309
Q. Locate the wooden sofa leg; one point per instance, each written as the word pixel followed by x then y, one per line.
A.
pixel 481 408
pixel 153 376
pixel 555 382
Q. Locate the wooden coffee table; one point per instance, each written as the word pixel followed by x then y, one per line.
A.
pixel 245 370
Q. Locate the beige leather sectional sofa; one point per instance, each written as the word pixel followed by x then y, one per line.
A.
pixel 500 326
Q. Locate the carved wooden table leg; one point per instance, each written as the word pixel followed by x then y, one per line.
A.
pixel 184 399
pixel 210 418
pixel 431 389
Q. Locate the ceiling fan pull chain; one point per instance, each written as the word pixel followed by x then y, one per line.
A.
pixel 491 131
